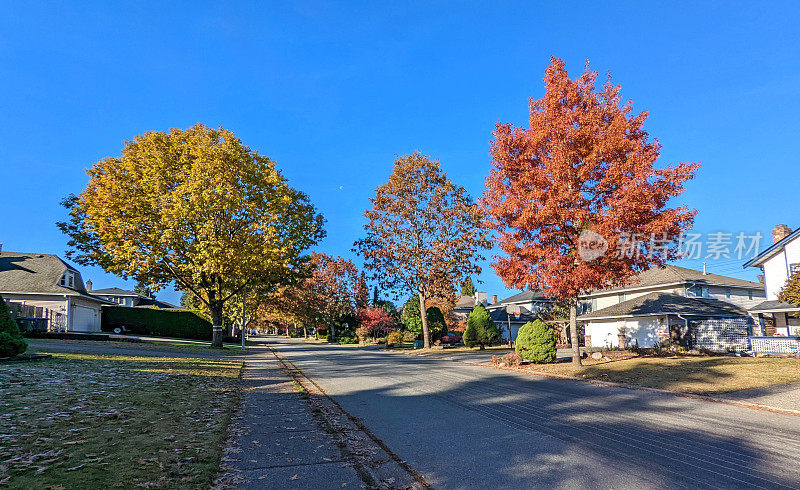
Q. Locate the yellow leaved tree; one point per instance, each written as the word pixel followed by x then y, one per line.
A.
pixel 196 207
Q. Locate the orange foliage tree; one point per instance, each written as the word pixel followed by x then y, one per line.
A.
pixel 582 175
pixel 424 233
pixel 334 282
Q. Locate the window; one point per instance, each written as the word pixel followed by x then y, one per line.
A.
pixel 728 293
pixel 68 279
pixel 697 292
pixel 794 268
pixel 621 297
pixel 749 294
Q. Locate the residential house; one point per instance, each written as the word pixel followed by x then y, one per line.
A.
pixel 515 311
pixel 661 317
pixel 52 288
pixel 465 303
pixel 124 297
pixel 671 303
pixel 778 263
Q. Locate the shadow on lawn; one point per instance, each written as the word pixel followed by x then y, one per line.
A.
pixel 679 373
pixel 468 426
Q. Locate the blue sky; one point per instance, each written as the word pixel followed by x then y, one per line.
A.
pixel 333 91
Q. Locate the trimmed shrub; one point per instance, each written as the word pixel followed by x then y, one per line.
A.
pixel 11 341
pixel 536 342
pixel 182 324
pixel 481 329
pixel 395 337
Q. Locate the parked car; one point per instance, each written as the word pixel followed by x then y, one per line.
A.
pixel 451 338
pixel 127 329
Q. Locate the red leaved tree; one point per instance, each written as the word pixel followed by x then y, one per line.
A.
pixel 376 320
pixel 582 174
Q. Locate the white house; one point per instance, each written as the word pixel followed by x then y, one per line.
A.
pixel 681 281
pixel 54 288
pixel 658 318
pixel 672 303
pixel 778 262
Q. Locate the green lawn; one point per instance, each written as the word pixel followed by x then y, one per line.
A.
pixel 705 375
pixel 92 421
pixel 199 346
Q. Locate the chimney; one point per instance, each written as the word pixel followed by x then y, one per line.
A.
pixel 88 284
pixel 780 232
pixel 480 298
pixel 1 247
pixel 494 299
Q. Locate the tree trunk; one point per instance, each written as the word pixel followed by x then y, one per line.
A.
pixel 426 336
pixel 216 322
pixel 305 331
pixel 573 333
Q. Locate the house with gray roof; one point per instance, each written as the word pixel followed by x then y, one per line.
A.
pixel 659 318
pixel 681 281
pixel 672 303
pixel 54 289
pixel 123 297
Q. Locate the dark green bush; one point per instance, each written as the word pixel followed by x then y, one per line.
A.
pixel 182 324
pixel 536 342
pixel 412 322
pixel 11 341
pixel 481 329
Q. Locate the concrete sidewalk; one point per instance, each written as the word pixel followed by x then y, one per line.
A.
pixel 276 441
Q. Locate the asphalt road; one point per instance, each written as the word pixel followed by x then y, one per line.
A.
pixel 464 426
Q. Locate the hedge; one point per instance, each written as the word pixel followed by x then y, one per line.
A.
pixel 183 324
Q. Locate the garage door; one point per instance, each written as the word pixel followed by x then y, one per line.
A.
pixel 85 319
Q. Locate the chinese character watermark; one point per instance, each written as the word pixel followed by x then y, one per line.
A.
pixel 713 246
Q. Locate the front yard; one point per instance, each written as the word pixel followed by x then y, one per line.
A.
pixel 703 375
pixel 97 421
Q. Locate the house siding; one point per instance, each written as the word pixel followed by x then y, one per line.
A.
pixel 51 302
pixel 644 332
pixel 776 269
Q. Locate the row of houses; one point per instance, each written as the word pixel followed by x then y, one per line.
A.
pixel 52 289
pixel 676 304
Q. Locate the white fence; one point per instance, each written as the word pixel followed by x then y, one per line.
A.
pixel 775 345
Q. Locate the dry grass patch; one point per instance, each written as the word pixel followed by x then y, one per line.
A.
pixel 704 375
pixel 94 421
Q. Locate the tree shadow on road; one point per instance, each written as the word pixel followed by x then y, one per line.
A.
pixel 467 426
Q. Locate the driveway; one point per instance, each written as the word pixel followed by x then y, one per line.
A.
pixel 465 426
